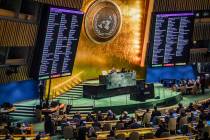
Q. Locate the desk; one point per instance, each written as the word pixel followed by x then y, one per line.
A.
pixel 173 138
pixel 103 134
pixel 28 136
pixel 111 85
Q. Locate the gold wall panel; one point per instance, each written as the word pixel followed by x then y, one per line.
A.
pixel 124 51
pixel 63 3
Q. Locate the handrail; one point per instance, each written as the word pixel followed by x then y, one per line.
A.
pixel 67 81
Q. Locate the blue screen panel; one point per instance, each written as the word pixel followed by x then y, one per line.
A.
pixel 179 72
pixel 18 91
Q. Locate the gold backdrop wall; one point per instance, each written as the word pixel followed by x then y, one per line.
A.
pixel 124 51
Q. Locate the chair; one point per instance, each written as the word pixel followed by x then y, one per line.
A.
pixel 172 124
pixel 68 132
pixel 148 136
pixel 119 126
pixel 107 127
pixel 134 136
pixel 165 134
pixel 92 138
pixel 111 138
pixel 121 137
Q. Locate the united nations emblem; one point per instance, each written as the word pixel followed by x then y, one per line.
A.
pixel 103 21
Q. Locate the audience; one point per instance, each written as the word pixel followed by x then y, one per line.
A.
pixel 170 122
pixel 190 86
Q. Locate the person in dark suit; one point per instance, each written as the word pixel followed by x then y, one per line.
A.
pixel 10 128
pixel 82 130
pixel 155 114
pixel 90 117
pixel 203 82
pixel 49 125
pixel 18 129
pixel 190 108
pixel 99 116
pixel 205 136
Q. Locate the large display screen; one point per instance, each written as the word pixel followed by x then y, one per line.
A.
pixel 57 41
pixel 171 39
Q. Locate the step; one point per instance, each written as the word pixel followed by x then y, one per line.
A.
pixel 23 105
pixel 77 88
pixel 75 91
pixel 25 111
pixel 81 112
pixel 70 96
pixel 82 106
pixel 72 93
pixel 64 98
pixel 85 84
pixel 21 114
pixel 25 108
pixel 82 109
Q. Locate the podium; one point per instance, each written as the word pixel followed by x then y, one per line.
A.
pixel 113 84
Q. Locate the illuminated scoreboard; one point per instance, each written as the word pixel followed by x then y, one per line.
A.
pixel 60 30
pixel 171 39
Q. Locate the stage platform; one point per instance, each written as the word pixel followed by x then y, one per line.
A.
pixel 166 96
pixel 123 102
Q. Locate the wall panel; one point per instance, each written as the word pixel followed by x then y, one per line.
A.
pixel 201 31
pixel 13 33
